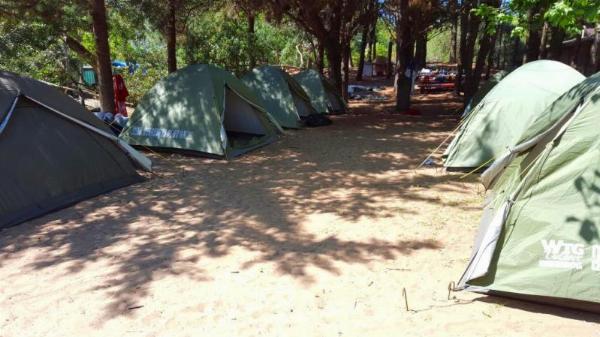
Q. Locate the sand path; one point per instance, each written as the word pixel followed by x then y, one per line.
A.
pixel 316 235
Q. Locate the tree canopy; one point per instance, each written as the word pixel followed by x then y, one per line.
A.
pixel 53 39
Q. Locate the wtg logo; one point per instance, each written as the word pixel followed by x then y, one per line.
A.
pixel 563 255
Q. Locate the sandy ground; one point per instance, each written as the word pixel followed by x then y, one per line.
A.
pixel 317 235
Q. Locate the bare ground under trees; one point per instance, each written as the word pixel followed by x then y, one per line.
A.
pixel 316 235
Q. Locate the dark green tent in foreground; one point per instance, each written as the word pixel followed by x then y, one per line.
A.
pixel 507 111
pixel 201 109
pixel 54 153
pixel 323 95
pixel 281 95
pixel 539 236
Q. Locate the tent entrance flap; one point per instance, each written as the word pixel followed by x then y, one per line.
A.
pixel 302 107
pixel 335 105
pixel 242 123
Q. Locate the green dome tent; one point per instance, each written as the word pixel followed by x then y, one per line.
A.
pixel 201 109
pixel 507 111
pixel 539 237
pixel 54 153
pixel 484 89
pixel 283 97
pixel 322 94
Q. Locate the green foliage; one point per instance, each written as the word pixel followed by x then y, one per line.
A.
pixel 439 46
pixel 570 14
pixel 140 82
pixel 32 49
pixel 218 38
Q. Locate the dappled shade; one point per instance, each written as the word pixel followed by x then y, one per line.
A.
pixel 201 109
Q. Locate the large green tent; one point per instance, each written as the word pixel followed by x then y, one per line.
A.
pixel 507 111
pixel 539 237
pixel 54 153
pixel 323 95
pixel 201 109
pixel 281 95
pixel 483 90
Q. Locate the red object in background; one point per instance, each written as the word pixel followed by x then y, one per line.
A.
pixel 121 94
pixel 412 112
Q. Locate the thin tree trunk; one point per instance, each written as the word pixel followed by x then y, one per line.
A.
pixel 171 38
pixel 485 46
pixel 363 48
pixel 346 68
pixel 500 49
pixel 517 58
pixel 404 55
pixel 100 27
pixel 557 35
pixel 595 50
pixel 453 4
pixel 492 52
pixel 575 55
pixel 467 61
pixel 544 41
pixel 390 66
pixel 320 57
pixel 374 42
pixel 533 37
pixel 421 50
pixel 464 26
pixel 251 37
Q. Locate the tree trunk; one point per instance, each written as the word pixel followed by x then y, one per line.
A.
pixel 251 20
pixel 500 50
pixel 517 60
pixel 557 35
pixel 346 65
pixel 464 25
pixel 467 60
pixel 171 38
pixel 404 55
pixel 533 37
pixel 471 86
pixel 575 54
pixel 100 27
pixel 390 66
pixel 320 57
pixel 373 42
pixel 544 41
pixel 334 57
pixel 363 48
pixel 492 52
pixel 453 4
pixel 421 50
pixel 595 50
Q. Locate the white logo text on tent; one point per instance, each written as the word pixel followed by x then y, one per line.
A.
pixel 563 255
pixel 160 133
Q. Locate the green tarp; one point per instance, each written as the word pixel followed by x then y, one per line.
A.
pixel 201 109
pixel 281 95
pixel 53 152
pixel 507 111
pixel 539 236
pixel 323 95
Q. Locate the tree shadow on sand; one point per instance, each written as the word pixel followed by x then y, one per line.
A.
pixel 198 208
